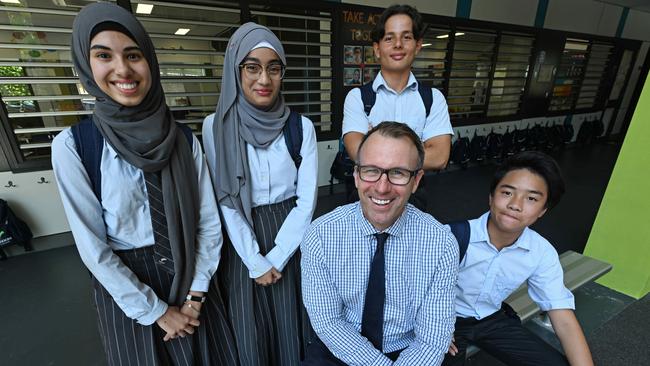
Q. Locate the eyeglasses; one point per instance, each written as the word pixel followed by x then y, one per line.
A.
pixel 405 38
pixel 396 176
pixel 253 71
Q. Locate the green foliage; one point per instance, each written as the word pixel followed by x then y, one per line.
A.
pixel 13 90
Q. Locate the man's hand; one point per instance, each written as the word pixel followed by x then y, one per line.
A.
pixel 176 324
pixel 269 278
pixel 453 350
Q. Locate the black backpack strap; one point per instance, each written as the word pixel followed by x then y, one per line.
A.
pixel 427 97
pixel 187 132
pixel 293 136
pixel 89 143
pixel 461 231
pixel 368 97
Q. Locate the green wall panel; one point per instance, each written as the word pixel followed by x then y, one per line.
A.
pixel 621 232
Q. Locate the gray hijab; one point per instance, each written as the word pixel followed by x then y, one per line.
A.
pixel 237 122
pixel 145 135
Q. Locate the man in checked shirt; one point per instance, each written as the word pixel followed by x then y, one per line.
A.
pixel 378 275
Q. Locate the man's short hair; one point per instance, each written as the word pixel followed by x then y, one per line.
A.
pixel 379 30
pixel 537 163
pixel 396 130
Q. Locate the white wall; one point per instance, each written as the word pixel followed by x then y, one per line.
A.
pixel 637 25
pixel 520 12
pixel 326 153
pixel 38 204
pixel 574 16
pixel 436 7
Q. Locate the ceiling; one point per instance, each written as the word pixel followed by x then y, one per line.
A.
pixel 640 5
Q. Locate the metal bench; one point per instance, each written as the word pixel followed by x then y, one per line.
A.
pixel 578 269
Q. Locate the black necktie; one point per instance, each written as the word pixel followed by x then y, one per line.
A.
pixel 162 248
pixel 372 322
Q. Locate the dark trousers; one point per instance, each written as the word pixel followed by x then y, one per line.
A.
pixel 504 337
pixel 319 355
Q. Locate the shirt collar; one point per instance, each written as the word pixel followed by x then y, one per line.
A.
pixel 112 154
pixel 482 234
pixel 412 83
pixel 394 230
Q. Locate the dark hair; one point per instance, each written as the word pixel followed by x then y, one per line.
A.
pixel 379 30
pixel 396 130
pixel 537 163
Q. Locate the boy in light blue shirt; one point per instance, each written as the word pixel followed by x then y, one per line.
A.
pixel 502 253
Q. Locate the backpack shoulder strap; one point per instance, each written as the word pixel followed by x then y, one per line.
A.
pixel 292 131
pixel 89 143
pixel 461 231
pixel 368 97
pixel 427 97
pixel 187 132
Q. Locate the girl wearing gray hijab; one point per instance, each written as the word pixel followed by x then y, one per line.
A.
pixel 266 197
pixel 138 197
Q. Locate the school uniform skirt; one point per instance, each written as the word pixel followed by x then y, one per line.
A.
pixel 270 323
pixel 128 343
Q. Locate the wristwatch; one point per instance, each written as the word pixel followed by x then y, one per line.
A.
pixel 200 299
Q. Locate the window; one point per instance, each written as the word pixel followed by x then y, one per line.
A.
pixel 510 73
pixel 39 90
pixel 471 65
pixel 190 43
pixel 569 75
pixel 307 40
pixel 42 94
pixel 430 65
pixel 594 76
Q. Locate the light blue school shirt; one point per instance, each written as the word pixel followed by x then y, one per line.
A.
pixel 122 221
pixel 487 276
pixel 274 178
pixel 405 107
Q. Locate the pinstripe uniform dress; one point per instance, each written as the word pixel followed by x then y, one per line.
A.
pixel 129 343
pixel 270 323
pixel 130 286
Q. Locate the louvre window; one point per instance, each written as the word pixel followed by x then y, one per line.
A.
pixel 42 94
pixel 471 65
pixel 307 40
pixel 590 88
pixel 430 64
pixel 569 75
pixel 510 73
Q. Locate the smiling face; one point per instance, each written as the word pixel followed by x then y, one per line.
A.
pixel 518 200
pixel 396 51
pixel 119 68
pixel 382 202
pixel 261 91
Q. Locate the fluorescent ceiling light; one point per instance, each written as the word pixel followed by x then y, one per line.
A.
pixel 426 45
pixel 10 1
pixel 144 8
pixel 182 31
pixel 447 35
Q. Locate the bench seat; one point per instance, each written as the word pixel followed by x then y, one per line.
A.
pixel 578 269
